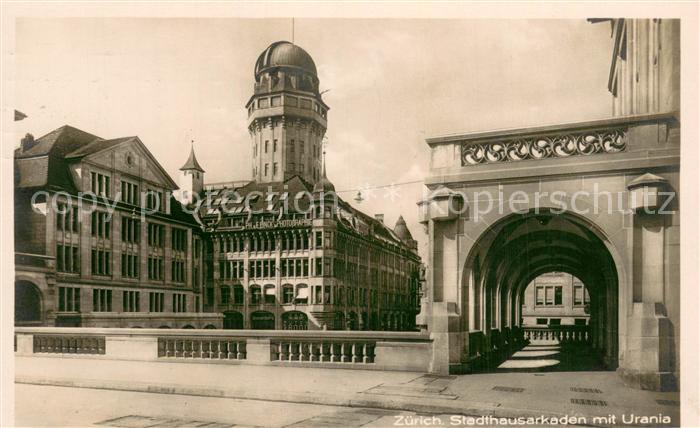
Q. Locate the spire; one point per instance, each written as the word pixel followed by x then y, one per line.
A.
pixel 401 229
pixel 192 161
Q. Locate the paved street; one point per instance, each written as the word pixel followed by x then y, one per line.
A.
pixel 105 408
pixel 159 394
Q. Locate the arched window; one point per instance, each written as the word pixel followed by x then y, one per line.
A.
pixel 210 327
pixel 262 320
pixel 233 320
pixel 270 297
pixel 287 293
pixel 255 295
pixel 188 326
pixel 238 294
pixel 302 295
pixel 295 320
pixel 28 302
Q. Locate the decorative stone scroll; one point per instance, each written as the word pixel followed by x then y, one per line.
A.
pixel 550 146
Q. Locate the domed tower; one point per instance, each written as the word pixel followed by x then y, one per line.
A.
pixel 286 115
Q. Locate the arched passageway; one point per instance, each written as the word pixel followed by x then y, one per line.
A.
pixel 27 303
pixel 233 320
pixel 509 256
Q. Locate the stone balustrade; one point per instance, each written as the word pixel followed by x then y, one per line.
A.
pixel 370 350
pixel 561 333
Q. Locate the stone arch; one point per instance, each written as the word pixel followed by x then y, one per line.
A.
pixel 233 320
pixel 28 303
pixel 516 248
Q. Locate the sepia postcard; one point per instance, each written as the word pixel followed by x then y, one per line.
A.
pixel 331 214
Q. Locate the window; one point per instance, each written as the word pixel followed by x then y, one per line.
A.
pixel 270 297
pixel 179 239
pixel 156 235
pixel 274 146
pixel 131 301
pixel 156 302
pixel 210 296
pixel 130 193
pixel 238 294
pixel 101 300
pixel 580 321
pixel 130 265
pixel 155 268
pixel 274 169
pixel 301 147
pixel 287 293
pixel 267 167
pixel 291 146
pixel 100 184
pixel 548 295
pixel 255 294
pixel 101 224
pixel 580 295
pixel 179 302
pixel 67 218
pixel 68 299
pixel 67 259
pixel 101 262
pixel 319 239
pixel 541 321
pixel 555 321
pixel 177 270
pixel 267 143
pixel 319 267
pixel 225 295
pixel 154 200
pixel 131 230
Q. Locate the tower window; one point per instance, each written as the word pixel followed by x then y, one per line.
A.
pixel 291 146
pixel 301 147
pixel 274 146
pixel 274 169
pixel 267 143
pixel 266 168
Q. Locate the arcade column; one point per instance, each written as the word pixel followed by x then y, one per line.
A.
pixel 440 214
pixel 649 359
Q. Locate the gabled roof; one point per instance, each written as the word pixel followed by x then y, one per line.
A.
pixel 97 146
pixel 58 142
pixel 192 163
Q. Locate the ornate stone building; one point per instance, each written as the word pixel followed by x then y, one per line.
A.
pixel 287 252
pixel 98 242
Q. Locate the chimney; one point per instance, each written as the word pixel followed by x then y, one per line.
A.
pixel 27 142
pixel 379 218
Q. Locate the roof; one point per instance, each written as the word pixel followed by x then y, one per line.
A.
pixel 285 54
pixel 192 163
pixel 97 146
pixel 57 142
pixel 401 229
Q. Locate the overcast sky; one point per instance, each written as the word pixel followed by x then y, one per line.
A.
pixel 392 83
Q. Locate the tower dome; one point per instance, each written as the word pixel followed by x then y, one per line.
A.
pixel 284 54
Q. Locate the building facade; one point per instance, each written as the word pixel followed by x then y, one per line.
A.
pixel 287 252
pixel 555 298
pixel 98 241
pixel 279 252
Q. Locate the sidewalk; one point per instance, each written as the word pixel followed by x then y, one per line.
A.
pixel 509 394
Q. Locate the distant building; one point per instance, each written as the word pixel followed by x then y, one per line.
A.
pixel 77 265
pixel 555 298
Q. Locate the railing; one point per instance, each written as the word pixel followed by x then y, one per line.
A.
pixel 370 350
pixel 60 344
pixel 323 351
pixel 203 348
pixel 562 333
pixel 612 140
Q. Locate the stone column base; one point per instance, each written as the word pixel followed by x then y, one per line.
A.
pixel 652 381
pixel 649 360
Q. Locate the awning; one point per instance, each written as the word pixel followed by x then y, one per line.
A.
pixel 302 293
pixel 269 291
